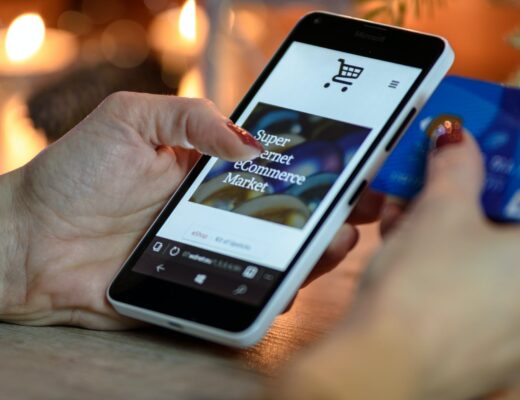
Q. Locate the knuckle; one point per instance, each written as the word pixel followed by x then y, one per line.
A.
pixel 195 118
pixel 197 103
pixel 119 97
pixel 190 109
pixel 448 160
pixel 207 102
pixel 118 101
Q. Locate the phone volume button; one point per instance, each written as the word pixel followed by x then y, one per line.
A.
pixel 174 325
pixel 358 192
pixel 401 129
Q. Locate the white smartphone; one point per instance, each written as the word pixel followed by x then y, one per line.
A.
pixel 236 241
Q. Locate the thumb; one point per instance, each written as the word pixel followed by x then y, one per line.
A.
pixel 455 170
pixel 182 122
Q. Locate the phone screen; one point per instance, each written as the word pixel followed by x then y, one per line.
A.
pixel 240 224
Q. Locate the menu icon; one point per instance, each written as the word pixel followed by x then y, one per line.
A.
pixel 394 84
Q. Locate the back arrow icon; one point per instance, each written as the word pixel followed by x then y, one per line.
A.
pixel 160 268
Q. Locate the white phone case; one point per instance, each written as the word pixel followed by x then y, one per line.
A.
pixel 299 272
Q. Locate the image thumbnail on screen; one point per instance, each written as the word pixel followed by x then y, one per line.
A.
pixel 304 155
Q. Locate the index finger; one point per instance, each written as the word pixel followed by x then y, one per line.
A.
pixel 182 122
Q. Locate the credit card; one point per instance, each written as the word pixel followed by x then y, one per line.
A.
pixel 491 113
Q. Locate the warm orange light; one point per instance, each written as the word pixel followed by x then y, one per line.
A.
pixel 20 142
pixel 28 48
pixel 179 34
pixel 250 25
pixel 24 37
pixel 192 84
pixel 188 21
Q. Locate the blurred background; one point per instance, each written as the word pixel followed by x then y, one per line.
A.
pixel 60 58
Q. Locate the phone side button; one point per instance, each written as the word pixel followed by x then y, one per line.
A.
pixel 175 325
pixel 401 129
pixel 358 192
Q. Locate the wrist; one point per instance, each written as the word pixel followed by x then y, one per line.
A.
pixel 13 240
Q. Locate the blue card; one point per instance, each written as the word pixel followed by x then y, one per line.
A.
pixel 491 113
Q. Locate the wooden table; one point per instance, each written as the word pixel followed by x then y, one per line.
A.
pixel 67 363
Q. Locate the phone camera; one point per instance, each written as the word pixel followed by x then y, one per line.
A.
pixel 317 21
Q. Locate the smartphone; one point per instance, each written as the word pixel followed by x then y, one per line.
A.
pixel 236 241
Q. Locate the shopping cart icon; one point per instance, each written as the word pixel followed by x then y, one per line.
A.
pixel 345 73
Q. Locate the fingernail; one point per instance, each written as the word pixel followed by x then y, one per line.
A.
pixel 446 132
pixel 245 136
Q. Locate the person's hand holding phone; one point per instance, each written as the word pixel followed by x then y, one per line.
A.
pixel 437 315
pixel 74 213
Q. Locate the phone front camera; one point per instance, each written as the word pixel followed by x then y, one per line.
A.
pixel 317 21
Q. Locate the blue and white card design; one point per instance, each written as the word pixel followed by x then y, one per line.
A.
pixel 491 113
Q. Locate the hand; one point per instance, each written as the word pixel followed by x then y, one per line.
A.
pixel 438 312
pixel 88 198
pixel 82 204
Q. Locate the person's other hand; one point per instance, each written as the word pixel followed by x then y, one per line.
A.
pixel 437 315
pixel 88 198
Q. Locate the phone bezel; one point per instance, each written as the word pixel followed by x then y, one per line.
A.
pixel 319 29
